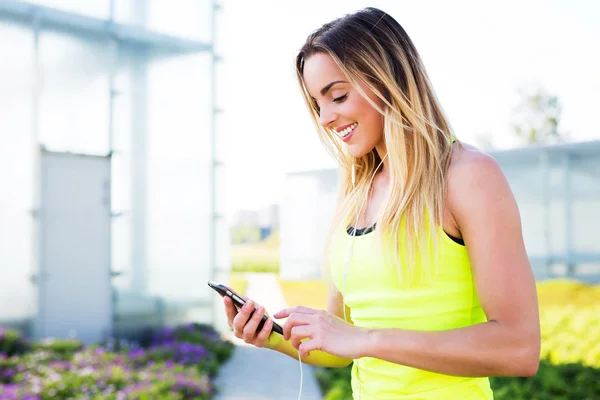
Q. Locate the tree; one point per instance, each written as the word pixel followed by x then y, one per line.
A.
pixel 536 118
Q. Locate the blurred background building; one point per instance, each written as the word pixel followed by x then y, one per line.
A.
pixel 249 226
pixel 557 188
pixel 110 152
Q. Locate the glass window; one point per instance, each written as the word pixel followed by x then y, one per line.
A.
pixel 178 185
pixel 74 103
pixel 191 18
pixel 222 245
pixel 17 174
pixel 220 190
pixel 92 8
pixel 585 184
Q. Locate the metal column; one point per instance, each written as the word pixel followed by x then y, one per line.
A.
pixel 215 217
pixel 567 199
pixel 546 200
pixel 139 163
pixel 35 148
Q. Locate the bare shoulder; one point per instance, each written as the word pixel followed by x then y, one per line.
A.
pixel 471 166
pixel 469 162
pixel 474 177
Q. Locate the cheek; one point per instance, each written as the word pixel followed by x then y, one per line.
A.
pixel 374 122
pixel 370 115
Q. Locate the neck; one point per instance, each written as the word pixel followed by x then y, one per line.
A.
pixel 381 152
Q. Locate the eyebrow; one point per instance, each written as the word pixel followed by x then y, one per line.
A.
pixel 326 88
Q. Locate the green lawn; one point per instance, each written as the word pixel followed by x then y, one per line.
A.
pixel 254 258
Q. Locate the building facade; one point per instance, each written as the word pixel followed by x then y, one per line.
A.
pixel 111 145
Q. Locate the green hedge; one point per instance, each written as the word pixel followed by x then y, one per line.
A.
pixel 564 382
pixel 255 266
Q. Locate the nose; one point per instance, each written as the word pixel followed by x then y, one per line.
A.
pixel 326 117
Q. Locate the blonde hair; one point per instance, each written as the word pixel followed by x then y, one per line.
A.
pixel 372 49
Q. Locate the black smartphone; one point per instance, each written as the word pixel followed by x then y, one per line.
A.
pixel 238 301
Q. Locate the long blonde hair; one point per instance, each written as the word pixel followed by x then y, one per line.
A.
pixel 371 48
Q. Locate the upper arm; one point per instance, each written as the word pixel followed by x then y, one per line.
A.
pixel 335 303
pixel 335 299
pixel 487 215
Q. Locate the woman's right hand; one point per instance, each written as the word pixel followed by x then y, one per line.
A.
pixel 244 327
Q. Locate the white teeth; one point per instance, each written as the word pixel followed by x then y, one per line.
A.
pixel 349 129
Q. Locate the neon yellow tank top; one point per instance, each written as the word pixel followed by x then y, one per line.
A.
pixel 377 300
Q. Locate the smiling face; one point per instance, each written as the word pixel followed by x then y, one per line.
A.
pixel 342 109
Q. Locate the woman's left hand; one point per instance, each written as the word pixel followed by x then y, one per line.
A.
pixel 322 331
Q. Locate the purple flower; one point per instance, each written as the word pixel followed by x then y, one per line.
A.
pixel 64 365
pixel 135 353
pixel 8 373
pixel 10 388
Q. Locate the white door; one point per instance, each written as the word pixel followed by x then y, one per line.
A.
pixel 74 254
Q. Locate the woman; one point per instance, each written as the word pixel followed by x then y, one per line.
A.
pixel 431 289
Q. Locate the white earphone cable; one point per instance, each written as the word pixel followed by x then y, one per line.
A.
pixel 350 254
pixel 301 376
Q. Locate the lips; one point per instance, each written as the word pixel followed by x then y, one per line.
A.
pixel 344 131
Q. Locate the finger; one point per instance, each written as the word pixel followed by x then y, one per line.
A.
pixel 251 326
pixel 299 333
pixel 230 310
pixel 263 335
pixel 307 346
pixel 295 320
pixel 293 310
pixel 241 319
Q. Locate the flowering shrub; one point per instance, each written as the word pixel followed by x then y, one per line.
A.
pixel 198 344
pixel 61 349
pixel 570 322
pixel 11 342
pixel 167 368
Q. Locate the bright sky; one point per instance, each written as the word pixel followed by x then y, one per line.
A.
pixel 477 54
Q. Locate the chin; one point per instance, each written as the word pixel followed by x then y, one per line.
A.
pixel 358 151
